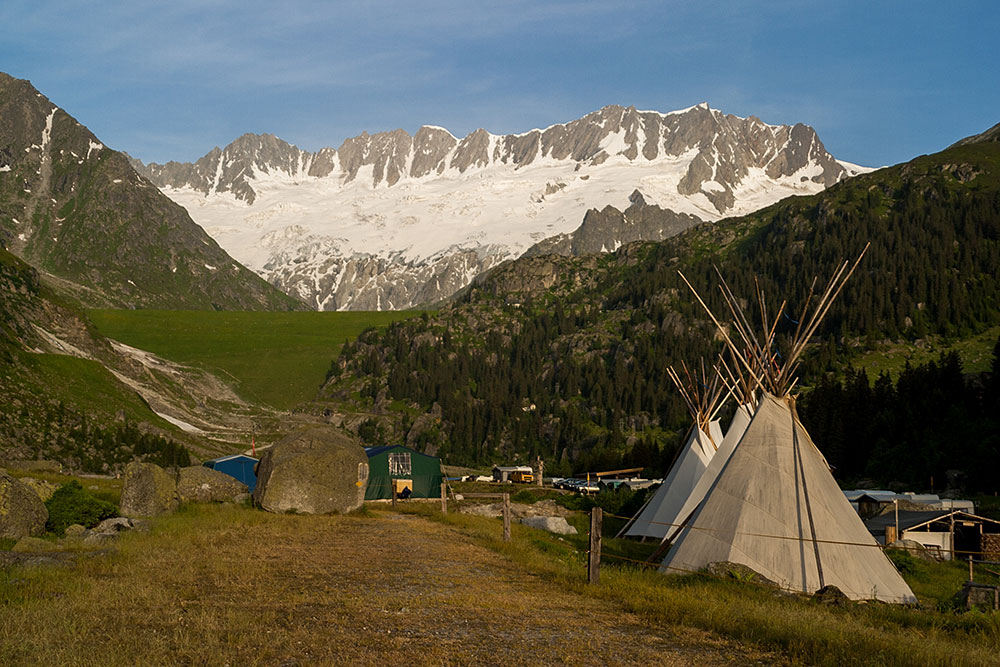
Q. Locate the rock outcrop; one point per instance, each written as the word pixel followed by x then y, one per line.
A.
pixel 318 471
pixel 22 512
pixel 147 490
pixel 204 485
pixel 608 229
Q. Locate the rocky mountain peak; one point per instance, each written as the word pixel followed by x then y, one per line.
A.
pixel 78 211
pixel 394 220
pixel 725 149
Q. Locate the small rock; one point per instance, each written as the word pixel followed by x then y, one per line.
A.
pixel 120 524
pixel 831 595
pixel 76 530
pixel 553 524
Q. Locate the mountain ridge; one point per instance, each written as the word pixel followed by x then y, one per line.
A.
pixel 390 218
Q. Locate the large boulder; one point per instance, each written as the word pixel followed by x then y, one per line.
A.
pixel 147 490
pixel 22 512
pixel 43 488
pixel 203 485
pixel 318 471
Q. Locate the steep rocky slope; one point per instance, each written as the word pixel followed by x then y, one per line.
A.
pixel 392 220
pixel 78 211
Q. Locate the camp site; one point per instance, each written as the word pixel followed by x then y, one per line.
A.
pixel 745 539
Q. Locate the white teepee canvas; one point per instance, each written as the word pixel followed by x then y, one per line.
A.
pixel 737 427
pixel 661 511
pixel 776 508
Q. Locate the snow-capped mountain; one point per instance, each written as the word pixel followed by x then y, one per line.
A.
pixel 390 221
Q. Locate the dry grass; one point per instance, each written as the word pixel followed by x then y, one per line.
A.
pixel 807 631
pixel 229 585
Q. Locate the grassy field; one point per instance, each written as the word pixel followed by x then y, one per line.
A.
pixel 277 359
pixel 232 585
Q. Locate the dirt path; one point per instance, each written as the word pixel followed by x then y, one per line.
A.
pixel 386 590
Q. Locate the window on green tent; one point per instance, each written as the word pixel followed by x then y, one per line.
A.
pixel 399 464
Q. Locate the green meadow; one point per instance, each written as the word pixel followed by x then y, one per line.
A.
pixel 276 359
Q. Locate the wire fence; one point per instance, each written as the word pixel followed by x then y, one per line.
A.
pixel 794 538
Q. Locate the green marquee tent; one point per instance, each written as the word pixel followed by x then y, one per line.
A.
pixel 402 467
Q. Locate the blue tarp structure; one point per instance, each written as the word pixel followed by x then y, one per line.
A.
pixel 239 466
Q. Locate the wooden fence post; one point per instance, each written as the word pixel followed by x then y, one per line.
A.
pixel 506 517
pixel 393 492
pixel 444 497
pixel 594 556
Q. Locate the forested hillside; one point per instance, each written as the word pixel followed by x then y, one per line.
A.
pixel 566 358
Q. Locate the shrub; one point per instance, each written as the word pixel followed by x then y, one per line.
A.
pixel 72 504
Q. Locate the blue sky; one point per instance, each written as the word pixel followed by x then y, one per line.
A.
pixel 881 82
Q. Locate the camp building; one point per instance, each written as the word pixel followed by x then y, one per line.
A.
pixel 947 533
pixel 240 466
pixel 399 467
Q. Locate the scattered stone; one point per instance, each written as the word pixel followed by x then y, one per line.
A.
pixel 76 530
pixel 831 595
pixel 120 524
pixel 147 490
pixel 542 508
pixel 318 471
pixel 22 512
pixel 204 485
pixel 41 487
pixel 34 545
pixel 553 524
pixel 739 572
pixel 979 596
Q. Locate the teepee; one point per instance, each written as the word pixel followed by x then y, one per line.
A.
pixel 703 397
pixel 774 505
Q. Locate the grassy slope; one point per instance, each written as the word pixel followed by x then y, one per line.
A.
pixel 976 353
pixel 279 359
pixel 88 387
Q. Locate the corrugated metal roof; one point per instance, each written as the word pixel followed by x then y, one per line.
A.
pixel 907 519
